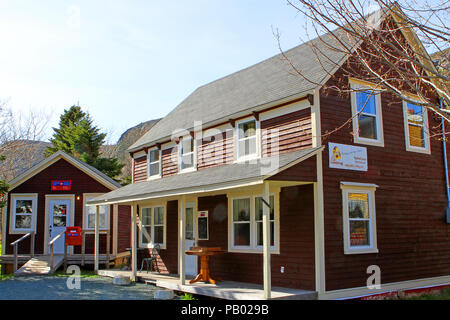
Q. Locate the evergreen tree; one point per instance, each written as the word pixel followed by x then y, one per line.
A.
pixel 3 188
pixel 78 136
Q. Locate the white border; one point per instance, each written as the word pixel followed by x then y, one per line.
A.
pixel 22 196
pixel 257 155
pixel 85 219
pixel 48 198
pixel 426 149
pixel 358 85
pixel 368 189
pixel 139 224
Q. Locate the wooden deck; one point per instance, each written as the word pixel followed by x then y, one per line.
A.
pixel 228 290
pixel 71 258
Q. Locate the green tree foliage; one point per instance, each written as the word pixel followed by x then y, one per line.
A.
pixel 3 188
pixel 78 136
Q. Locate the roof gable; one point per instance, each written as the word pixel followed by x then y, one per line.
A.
pixel 89 170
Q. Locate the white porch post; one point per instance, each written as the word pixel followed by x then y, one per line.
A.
pixel 133 242
pixel 181 242
pixel 266 243
pixel 96 241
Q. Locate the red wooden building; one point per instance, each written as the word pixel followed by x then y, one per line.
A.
pixel 245 164
pixel 51 196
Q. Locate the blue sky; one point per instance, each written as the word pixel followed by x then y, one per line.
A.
pixel 131 61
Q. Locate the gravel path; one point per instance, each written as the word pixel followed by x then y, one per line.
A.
pixel 55 288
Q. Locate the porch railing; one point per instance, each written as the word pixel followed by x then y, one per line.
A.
pixel 15 244
pixel 108 245
pixel 52 260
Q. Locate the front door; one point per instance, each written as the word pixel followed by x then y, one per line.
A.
pixel 191 260
pixel 59 219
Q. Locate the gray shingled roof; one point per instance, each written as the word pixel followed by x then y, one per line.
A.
pixel 268 81
pixel 197 180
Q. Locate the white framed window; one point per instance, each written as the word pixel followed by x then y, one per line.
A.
pixel 187 157
pixel 247 139
pixel 241 223
pixel 23 213
pixel 246 226
pixel 152 227
pixel 417 138
pixel 259 223
pixel 90 212
pixel 154 163
pixel 359 219
pixel 367 116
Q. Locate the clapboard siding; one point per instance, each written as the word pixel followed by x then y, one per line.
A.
pixel 215 150
pixel 296 242
pixel 169 162
pixel 80 183
pixel 286 133
pixel 413 239
pixel 140 169
pixel 167 261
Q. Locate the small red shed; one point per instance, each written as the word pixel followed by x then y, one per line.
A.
pixel 51 196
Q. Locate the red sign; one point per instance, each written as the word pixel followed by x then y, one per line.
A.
pixel 61 185
pixel 73 236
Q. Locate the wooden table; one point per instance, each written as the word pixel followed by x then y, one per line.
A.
pixel 204 253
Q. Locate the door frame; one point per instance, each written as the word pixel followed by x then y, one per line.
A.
pixel 48 198
pixel 192 204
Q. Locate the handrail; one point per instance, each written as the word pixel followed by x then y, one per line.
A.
pixel 51 243
pixel 56 238
pixel 15 244
pixel 23 238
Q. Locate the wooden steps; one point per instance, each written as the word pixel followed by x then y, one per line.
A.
pixel 40 265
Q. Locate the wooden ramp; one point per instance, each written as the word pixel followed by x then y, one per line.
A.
pixel 39 265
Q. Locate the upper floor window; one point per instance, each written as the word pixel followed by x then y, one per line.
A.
pixel 23 212
pixel 247 139
pixel 154 163
pixel 367 118
pixel 359 218
pixel 416 128
pixel 187 153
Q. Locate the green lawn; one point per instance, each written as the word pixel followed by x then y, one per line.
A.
pixel 443 295
pixel 6 276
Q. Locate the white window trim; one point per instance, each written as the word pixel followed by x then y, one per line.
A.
pixel 85 213
pixel 253 247
pixel 151 243
pixel 349 187
pixel 12 216
pixel 360 85
pixel 157 176
pixel 194 152
pixel 426 149
pixel 254 156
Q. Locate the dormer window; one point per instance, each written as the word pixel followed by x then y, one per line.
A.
pixel 247 139
pixel 154 163
pixel 187 153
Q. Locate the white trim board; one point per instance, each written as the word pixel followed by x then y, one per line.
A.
pixel 352 293
pixel 53 159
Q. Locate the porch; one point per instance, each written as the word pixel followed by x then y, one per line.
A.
pixel 227 290
pixel 263 218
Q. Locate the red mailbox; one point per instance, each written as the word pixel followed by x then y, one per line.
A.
pixel 73 236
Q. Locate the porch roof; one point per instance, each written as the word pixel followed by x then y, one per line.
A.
pixel 205 180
